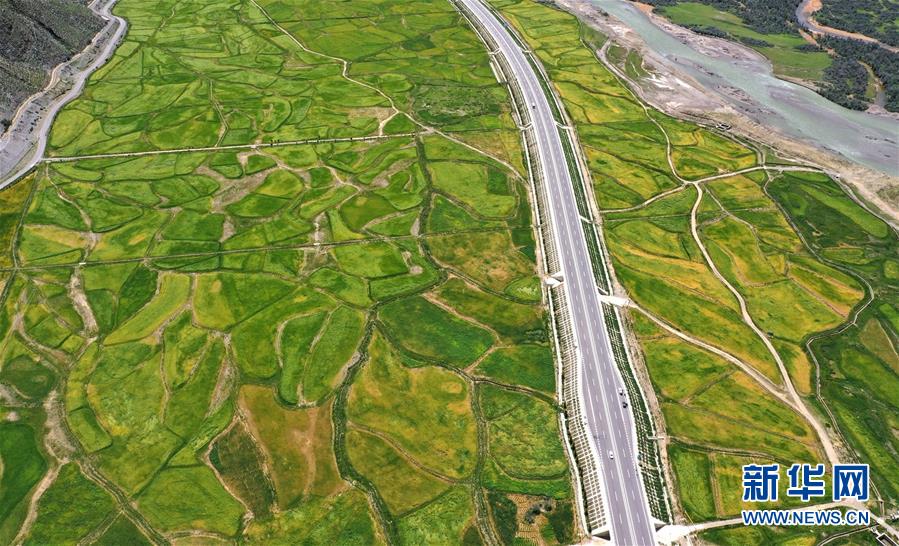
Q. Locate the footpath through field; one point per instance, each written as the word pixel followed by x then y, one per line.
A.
pixel 611 425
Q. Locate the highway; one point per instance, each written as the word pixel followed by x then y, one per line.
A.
pixel 610 424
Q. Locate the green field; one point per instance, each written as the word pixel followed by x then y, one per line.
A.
pixel 344 342
pixel 278 344
pixel 861 358
pixel 797 249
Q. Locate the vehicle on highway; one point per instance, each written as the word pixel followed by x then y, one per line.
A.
pixel 591 339
pixel 621 392
pixel 624 404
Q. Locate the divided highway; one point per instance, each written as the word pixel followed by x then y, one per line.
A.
pixel 611 425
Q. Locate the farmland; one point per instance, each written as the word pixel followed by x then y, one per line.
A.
pixel 276 282
pixel 692 243
pixel 323 340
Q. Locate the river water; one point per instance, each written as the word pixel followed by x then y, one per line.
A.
pixel 872 141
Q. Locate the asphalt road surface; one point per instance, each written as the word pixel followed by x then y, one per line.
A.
pixel 611 425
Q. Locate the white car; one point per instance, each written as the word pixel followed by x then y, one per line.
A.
pixel 611 455
pixel 621 392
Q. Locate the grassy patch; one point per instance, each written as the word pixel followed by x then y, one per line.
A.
pixel 490 259
pixel 484 190
pixel 190 498
pixel 437 334
pixel 440 522
pixel 521 450
pixel 525 365
pixel 370 260
pixel 336 345
pixel 402 485
pixel 341 519
pixel 427 411
pixel 122 531
pixel 693 471
pixel 240 463
pixel 295 445
pixel 69 509
pixel 515 321
pixel 23 467
pixel 14 197
pixel 172 293
pixel 126 393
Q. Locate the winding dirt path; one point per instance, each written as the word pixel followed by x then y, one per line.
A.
pixel 22 146
pixel 750 370
pixel 793 399
pixel 805 13
pixel 797 402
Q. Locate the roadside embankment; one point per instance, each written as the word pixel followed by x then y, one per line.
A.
pixel 22 146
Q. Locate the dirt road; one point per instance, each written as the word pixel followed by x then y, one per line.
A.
pixel 23 144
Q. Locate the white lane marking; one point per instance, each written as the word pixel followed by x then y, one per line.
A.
pixel 550 169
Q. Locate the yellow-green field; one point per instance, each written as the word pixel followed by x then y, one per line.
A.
pixel 343 342
pixel 299 343
pixel 802 255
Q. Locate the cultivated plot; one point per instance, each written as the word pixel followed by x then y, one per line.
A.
pixel 330 341
pixel 693 243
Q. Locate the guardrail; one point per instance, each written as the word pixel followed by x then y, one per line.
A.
pixel 649 456
pixel 573 423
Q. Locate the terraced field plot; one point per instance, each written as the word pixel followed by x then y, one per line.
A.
pixel 242 72
pixel 331 342
pixel 685 241
pixel 858 363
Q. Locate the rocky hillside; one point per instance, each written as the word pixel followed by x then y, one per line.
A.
pixel 35 36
